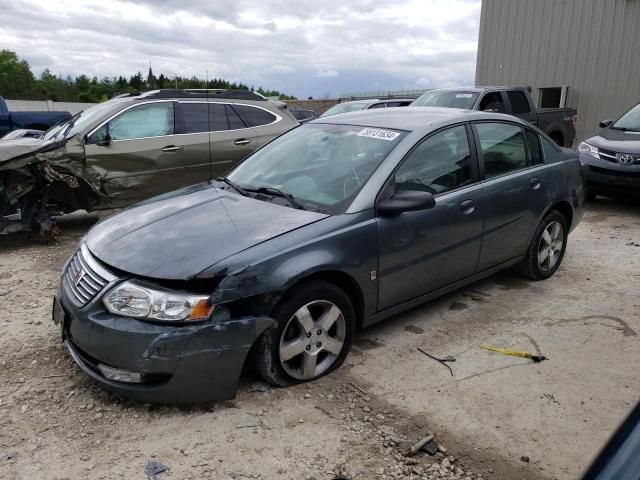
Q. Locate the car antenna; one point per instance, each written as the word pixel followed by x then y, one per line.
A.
pixel 209 124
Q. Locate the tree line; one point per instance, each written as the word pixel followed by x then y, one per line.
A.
pixel 17 82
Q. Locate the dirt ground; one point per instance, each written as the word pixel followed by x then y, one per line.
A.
pixel 499 417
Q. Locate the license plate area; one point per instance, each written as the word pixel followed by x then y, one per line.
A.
pixel 59 315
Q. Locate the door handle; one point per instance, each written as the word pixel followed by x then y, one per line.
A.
pixel 242 141
pixel 171 148
pixel 468 206
pixel 535 183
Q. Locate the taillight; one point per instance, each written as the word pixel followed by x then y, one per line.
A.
pixel 574 120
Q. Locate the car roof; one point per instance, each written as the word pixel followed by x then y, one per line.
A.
pixel 476 89
pixel 414 119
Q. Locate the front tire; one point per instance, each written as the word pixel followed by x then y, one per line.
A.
pixel 312 337
pixel 546 251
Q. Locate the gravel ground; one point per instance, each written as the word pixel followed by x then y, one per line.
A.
pixel 55 424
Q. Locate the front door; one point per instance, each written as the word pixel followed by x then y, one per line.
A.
pixel 143 156
pixel 514 189
pixel 424 250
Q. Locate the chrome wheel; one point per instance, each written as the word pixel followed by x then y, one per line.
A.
pixel 312 340
pixel 550 246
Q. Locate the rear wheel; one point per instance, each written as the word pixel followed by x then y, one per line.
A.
pixel 313 335
pixel 546 251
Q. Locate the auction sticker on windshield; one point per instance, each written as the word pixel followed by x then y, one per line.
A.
pixel 378 133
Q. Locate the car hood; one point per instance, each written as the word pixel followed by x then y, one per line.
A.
pixel 178 235
pixel 617 141
pixel 20 146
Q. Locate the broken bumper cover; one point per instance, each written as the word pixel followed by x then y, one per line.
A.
pixel 177 364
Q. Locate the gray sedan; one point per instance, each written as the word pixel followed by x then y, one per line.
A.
pixel 332 227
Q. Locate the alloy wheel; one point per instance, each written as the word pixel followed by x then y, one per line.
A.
pixel 550 246
pixel 312 340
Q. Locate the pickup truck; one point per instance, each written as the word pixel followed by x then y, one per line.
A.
pixel 28 120
pixel 558 123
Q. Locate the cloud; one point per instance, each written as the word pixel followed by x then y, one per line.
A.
pixel 304 47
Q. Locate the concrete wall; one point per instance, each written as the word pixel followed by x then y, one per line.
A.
pixel 46 105
pixel 318 106
pixel 591 46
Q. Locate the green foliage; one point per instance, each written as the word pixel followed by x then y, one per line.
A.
pixel 17 82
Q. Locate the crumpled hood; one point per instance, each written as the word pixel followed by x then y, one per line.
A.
pixel 20 146
pixel 178 235
pixel 616 140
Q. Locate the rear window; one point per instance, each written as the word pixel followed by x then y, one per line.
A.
pixel 519 102
pixel 235 122
pixel 254 117
pixel 192 118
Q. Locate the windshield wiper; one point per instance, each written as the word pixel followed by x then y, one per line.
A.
pixel 237 188
pixel 625 129
pixel 275 192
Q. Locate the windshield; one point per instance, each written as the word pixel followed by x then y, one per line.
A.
pixel 78 122
pixel 629 121
pixel 345 107
pixel 322 166
pixel 456 99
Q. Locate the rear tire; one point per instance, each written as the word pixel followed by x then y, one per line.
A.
pixel 312 336
pixel 546 251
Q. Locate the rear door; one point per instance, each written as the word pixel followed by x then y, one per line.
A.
pixel 231 139
pixel 266 125
pixel 514 189
pixel 192 140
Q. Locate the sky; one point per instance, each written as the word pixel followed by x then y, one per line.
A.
pixel 316 48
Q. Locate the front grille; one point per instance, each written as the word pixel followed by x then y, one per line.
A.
pixel 84 278
pixel 611 156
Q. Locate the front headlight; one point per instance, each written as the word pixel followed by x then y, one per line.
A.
pixel 590 150
pixel 138 300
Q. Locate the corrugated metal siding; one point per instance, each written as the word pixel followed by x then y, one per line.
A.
pixel 592 46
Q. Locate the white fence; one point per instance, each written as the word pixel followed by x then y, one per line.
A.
pixel 46 105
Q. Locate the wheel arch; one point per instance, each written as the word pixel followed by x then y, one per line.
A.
pixel 565 208
pixel 342 280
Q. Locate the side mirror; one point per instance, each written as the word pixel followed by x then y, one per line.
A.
pixel 605 123
pixel 406 201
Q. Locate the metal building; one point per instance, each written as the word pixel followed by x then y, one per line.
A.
pixel 583 54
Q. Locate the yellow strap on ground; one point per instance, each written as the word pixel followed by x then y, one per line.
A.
pixel 508 351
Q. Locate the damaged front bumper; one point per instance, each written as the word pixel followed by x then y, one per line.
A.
pixel 174 363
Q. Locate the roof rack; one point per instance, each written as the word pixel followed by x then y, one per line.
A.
pixel 204 93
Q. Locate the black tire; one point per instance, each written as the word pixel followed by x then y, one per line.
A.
pixel 530 266
pixel 267 348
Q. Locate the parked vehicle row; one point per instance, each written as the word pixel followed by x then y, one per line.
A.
pixel 129 149
pixel 334 225
pixel 10 121
pixel 367 104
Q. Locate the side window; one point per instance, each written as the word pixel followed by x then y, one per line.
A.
pixel 150 120
pixel 235 122
pixel 192 118
pixel 533 147
pixel 254 117
pixel 440 163
pixel 378 105
pixel 519 102
pixel 218 117
pixel 502 146
pixel 492 102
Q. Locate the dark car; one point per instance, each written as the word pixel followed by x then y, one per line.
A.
pixel 10 121
pixel 331 227
pixel 611 158
pixel 558 123
pixel 303 115
pixel 356 105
